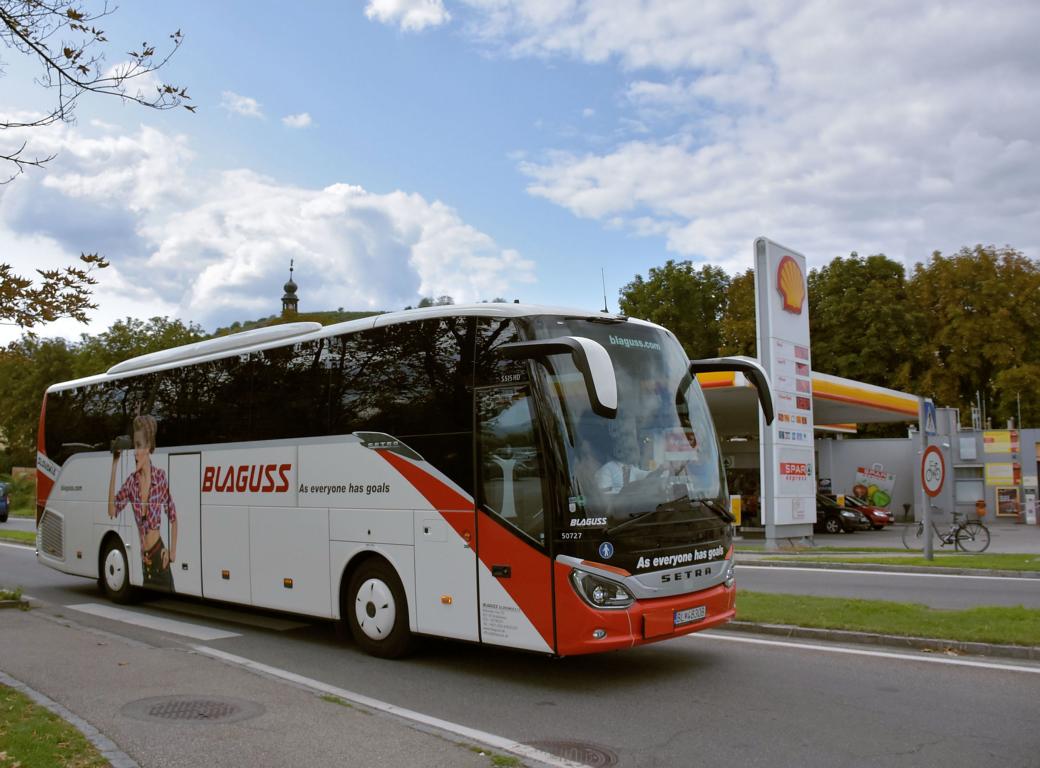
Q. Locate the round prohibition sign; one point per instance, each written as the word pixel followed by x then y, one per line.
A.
pixel 933 470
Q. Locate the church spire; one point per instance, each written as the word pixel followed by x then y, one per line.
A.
pixel 290 300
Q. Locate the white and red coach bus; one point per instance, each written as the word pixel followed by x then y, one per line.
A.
pixel 520 476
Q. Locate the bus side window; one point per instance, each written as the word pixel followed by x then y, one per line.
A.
pixel 510 467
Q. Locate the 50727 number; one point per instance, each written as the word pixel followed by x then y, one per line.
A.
pixel 572 535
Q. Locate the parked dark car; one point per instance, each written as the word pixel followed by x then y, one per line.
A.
pixel 831 517
pixel 877 516
pixel 5 503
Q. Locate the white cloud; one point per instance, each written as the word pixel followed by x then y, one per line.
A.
pixel 241 105
pixel 888 127
pixel 410 15
pixel 213 248
pixel 301 120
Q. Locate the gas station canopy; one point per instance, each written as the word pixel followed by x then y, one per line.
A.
pixel 838 404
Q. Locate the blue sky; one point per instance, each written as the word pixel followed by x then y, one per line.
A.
pixel 482 148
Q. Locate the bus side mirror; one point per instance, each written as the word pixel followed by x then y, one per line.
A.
pixel 590 358
pixel 749 367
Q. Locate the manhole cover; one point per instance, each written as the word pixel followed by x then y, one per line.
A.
pixel 578 751
pixel 192 709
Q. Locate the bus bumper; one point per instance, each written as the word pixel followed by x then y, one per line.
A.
pixel 582 629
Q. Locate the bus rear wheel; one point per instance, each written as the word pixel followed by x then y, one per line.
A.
pixel 377 611
pixel 114 576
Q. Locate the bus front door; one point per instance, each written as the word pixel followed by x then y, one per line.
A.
pixel 514 571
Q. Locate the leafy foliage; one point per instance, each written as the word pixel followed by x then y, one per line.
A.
pixel 981 319
pixel 955 326
pixel 739 335
pixel 31 364
pixel 862 323
pixel 61 293
pixel 689 302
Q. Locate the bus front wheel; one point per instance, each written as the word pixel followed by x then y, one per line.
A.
pixel 114 578
pixel 377 611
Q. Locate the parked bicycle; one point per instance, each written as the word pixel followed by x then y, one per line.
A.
pixel 966 536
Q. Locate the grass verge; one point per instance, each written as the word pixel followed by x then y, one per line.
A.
pixel 33 737
pixel 994 562
pixel 987 624
pixel 27 537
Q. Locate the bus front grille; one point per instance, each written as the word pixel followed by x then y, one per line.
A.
pixel 52 535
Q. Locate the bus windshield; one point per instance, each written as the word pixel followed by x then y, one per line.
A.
pixel 656 466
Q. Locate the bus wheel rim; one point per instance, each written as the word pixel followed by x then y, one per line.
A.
pixel 115 572
pixel 375 609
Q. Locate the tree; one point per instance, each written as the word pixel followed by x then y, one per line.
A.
pixel 30 365
pixel 131 338
pixel 862 323
pixel 62 36
pixel 738 327
pixel 687 301
pixel 27 367
pixel 63 292
pixel 74 67
pixel 981 320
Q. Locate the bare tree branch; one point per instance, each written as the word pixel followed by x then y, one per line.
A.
pixel 72 68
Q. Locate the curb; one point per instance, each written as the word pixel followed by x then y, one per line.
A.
pixel 895 641
pixel 108 749
pixel 914 569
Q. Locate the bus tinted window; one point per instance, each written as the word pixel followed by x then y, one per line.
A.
pixel 412 381
pixel 290 392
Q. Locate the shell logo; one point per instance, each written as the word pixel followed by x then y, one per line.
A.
pixel 790 283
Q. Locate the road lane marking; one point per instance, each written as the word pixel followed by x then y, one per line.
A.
pixel 747 567
pixel 183 628
pixel 709 635
pixel 223 614
pixel 483 737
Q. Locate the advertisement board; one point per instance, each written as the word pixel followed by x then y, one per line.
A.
pixel 874 485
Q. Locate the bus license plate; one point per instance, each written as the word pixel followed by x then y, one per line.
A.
pixel 690 615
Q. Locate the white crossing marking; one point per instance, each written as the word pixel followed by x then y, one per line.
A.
pixel 194 631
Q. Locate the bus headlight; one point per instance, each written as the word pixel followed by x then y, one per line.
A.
pixel 599 592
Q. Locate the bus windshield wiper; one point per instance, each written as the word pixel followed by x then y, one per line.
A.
pixel 718 509
pixel 668 506
pixel 675 505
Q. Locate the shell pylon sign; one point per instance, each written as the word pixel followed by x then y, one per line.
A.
pixel 788 490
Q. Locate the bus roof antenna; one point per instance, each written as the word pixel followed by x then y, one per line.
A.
pixel 603 278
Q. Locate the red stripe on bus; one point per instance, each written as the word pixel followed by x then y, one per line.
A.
pixel 44 484
pixel 441 496
pixel 530 586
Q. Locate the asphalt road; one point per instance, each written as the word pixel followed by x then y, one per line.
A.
pixel 19 523
pixel 710 699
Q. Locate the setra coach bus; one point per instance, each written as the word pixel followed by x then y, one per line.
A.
pixel 530 477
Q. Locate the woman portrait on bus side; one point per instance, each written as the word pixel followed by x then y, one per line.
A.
pixel 147 491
